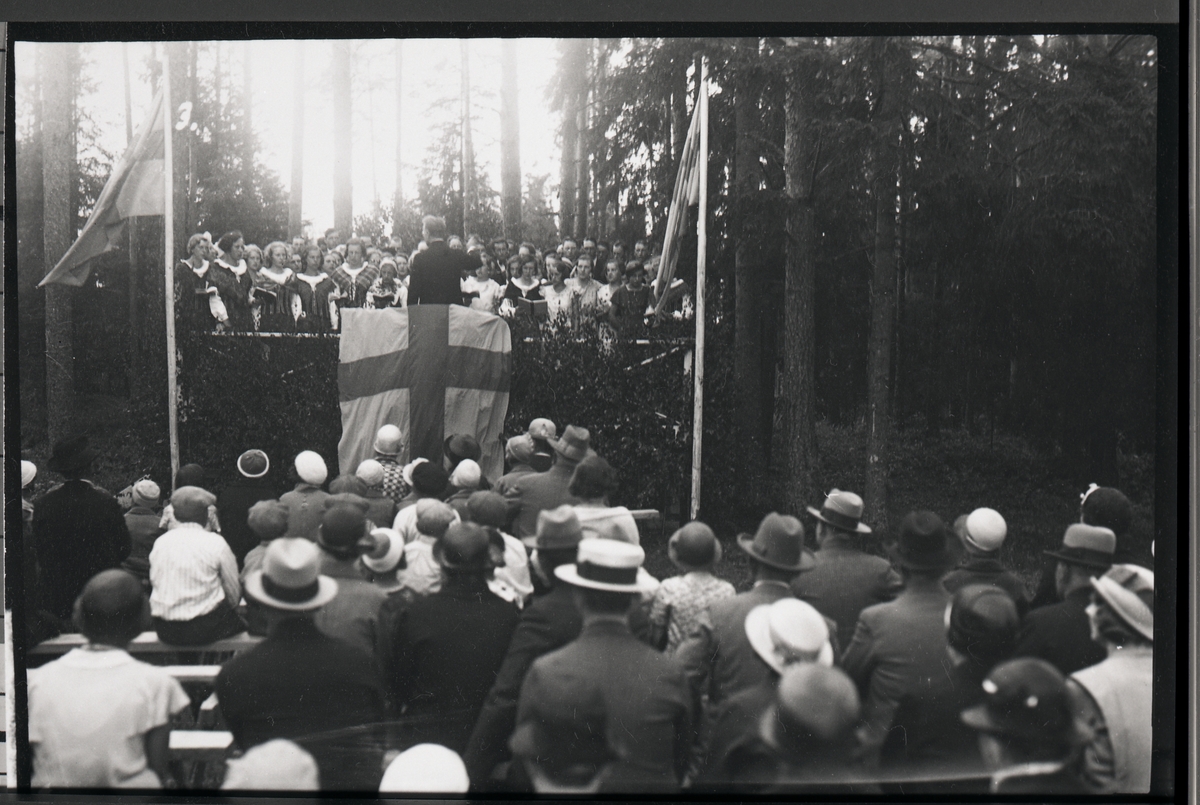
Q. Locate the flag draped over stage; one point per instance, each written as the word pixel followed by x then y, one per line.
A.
pixel 431 370
pixel 134 188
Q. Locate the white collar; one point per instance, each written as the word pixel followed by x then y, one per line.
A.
pixel 239 269
pixel 353 272
pixel 313 281
pixel 279 278
pixel 201 271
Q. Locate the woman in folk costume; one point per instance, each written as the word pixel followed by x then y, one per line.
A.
pixel 234 279
pixel 313 287
pixel 197 298
pixel 272 289
pixel 523 284
pixel 354 277
pixel 388 290
pixel 483 292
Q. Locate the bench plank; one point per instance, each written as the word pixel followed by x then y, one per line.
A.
pixel 193 673
pixel 146 643
pixel 199 744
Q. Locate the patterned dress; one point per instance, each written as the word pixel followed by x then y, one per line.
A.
pixel 681 600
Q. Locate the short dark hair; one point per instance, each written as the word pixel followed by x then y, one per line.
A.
pixel 606 602
pixel 429 478
pixel 1108 508
pixel 593 478
pixel 111 607
pixel 434 226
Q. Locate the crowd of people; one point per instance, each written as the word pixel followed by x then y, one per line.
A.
pixel 428 629
pixel 303 285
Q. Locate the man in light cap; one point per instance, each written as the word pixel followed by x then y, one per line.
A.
pixel 142 520
pixel 645 694
pixel 1059 633
pixel 549 622
pixel 235 500
pixel 306 503
pixel 782 634
pixel 194 576
pixel 1115 696
pixel 518 453
pixel 810 732
pixel 301 684
pixel 982 534
pixel 544 433
pixel 387 453
pixel 845 579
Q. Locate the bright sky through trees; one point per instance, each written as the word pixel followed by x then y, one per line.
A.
pixel 431 96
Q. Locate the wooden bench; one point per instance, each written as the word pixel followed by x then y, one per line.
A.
pixel 200 745
pixel 194 674
pixel 649 522
pixel 147 643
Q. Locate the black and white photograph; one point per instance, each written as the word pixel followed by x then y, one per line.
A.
pixel 512 414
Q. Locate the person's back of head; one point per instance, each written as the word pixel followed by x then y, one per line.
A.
pixel 811 723
pixel 433 228
pixel 343 531
pixel 112 609
pixel 466 475
pixel 191 504
pixel 348 484
pixel 1108 508
pixel 593 479
pixel 429 479
pixel 434 517
pixel 488 509
pixel 268 519
pixel 982 625
pixel 603 602
pixel 190 475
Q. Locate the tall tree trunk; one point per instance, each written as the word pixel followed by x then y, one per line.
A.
pixel 568 189
pixel 510 142
pixel 58 231
pixel 398 198
pixel 747 334
pixel 468 151
pixel 800 349
pixel 883 287
pixel 583 182
pixel 296 196
pixel 132 232
pixel 343 196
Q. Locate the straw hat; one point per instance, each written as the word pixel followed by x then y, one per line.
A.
pixel 787 632
pixel 1129 592
pixel 290 577
pixel 606 564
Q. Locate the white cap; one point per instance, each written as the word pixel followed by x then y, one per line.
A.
pixel 425 769
pixel 466 475
pixel 391 556
pixel 407 470
pixel 986 529
pixel 277 765
pixel 311 468
pixel 28 473
pixel 387 440
pixel 370 472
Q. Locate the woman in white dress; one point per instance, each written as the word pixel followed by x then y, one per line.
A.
pixel 483 291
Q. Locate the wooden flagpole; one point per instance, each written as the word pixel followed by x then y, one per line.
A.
pixel 701 257
pixel 169 262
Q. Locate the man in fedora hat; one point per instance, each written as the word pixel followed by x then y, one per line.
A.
pixel 234 501
pixel 78 530
pixel 1029 733
pixel 1059 633
pixel 782 634
pixel 1114 697
pixel 448 646
pixel 301 684
pixel 354 614
pixel 717 655
pixel 547 490
pixel 1103 506
pixel 645 694
pixel 900 646
pixel 549 622
pixel 845 579
pixel 982 534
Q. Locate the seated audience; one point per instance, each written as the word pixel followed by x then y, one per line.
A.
pixel 142 520
pixel 428 481
pixel 235 500
pixel 98 718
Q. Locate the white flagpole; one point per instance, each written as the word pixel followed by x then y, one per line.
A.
pixel 701 257
pixel 169 262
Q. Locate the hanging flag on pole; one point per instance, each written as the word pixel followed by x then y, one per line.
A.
pixel 134 188
pixel 687 193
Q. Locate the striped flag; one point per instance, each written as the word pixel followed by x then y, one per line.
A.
pixel 430 370
pixel 134 188
pixel 687 193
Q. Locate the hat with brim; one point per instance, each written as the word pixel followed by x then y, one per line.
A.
pixel 606 564
pixel 72 454
pixel 1087 545
pixel 467 547
pixel 842 510
pixel 694 547
pixel 290 579
pixel 574 444
pixel 779 543
pixel 557 529
pixel 1123 588
pixel 924 543
pixel 392 553
pixel 1027 699
pixel 787 632
pixel 253 464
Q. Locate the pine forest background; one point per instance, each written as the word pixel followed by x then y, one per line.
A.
pixel 932 272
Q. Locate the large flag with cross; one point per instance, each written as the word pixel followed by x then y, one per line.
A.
pixel 431 370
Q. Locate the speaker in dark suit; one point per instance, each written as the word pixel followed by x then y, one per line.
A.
pixel 437 272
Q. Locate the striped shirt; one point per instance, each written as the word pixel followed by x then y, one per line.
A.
pixel 191 571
